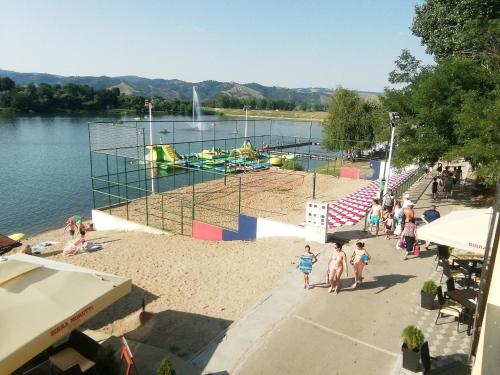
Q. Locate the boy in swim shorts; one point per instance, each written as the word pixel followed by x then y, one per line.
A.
pixel 375 214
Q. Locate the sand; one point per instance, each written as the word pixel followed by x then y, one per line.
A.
pixel 194 289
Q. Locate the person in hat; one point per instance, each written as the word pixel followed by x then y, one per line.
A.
pixel 406 200
pixel 408 212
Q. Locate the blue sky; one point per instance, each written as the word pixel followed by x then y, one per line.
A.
pixel 352 43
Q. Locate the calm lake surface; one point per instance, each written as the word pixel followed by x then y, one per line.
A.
pixel 45 163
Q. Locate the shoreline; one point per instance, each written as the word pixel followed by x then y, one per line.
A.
pixel 269 114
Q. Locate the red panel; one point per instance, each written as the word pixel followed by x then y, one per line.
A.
pixel 203 231
pixel 349 172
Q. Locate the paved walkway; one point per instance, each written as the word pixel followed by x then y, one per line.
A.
pixel 296 331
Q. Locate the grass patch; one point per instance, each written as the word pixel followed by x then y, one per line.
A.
pixel 363 164
pixel 329 168
pixel 293 165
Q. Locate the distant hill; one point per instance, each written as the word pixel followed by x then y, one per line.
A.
pixel 174 88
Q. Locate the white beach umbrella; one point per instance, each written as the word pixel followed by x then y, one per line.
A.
pixel 42 301
pixel 466 230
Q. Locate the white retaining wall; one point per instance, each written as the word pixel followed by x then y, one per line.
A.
pixel 271 228
pixel 104 221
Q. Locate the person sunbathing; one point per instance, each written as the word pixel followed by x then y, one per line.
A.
pixel 72 247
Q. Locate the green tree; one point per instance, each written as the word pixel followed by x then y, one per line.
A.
pixel 478 134
pixel 451 110
pixel 6 84
pixel 380 123
pixel 349 122
pixel 467 28
pixel 407 68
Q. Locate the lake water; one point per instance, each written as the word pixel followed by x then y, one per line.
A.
pixel 45 162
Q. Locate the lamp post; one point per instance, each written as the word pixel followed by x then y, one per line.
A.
pixel 149 104
pixel 245 108
pixel 394 116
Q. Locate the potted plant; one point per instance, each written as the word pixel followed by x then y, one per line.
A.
pixel 413 338
pixel 165 368
pixel 428 294
pixel 105 362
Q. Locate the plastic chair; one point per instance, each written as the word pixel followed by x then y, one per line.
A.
pixel 443 256
pixel 448 308
pixel 450 286
pixel 450 273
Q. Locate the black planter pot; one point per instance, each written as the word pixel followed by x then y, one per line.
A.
pixel 427 300
pixel 411 359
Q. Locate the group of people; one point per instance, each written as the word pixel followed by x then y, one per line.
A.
pixel 445 180
pixel 75 225
pixel 337 265
pixel 398 218
pixel 384 214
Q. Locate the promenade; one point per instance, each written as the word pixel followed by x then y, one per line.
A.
pixel 297 331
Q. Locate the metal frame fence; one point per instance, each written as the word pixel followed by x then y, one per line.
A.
pixel 123 179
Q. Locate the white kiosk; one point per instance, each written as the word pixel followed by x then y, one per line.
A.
pixel 316 226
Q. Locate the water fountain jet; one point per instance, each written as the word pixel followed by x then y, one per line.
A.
pixel 197 123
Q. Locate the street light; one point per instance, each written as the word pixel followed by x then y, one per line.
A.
pixel 394 116
pixel 245 108
pixel 149 104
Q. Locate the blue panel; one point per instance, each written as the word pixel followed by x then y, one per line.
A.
pixel 247 228
pixel 375 166
pixel 229 235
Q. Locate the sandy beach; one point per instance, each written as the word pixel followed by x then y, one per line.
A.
pixel 195 289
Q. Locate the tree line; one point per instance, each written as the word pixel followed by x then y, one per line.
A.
pixel 46 98
pixel 227 101
pixel 447 111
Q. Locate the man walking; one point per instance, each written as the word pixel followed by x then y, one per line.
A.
pixel 428 217
pixel 388 202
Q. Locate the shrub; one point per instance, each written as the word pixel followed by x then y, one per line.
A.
pixel 165 368
pixel 413 337
pixel 293 165
pixel 429 287
pixel 105 362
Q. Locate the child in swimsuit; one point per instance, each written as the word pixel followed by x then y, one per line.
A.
pixel 305 265
pixel 388 222
pixel 359 260
pixel 73 223
pixel 336 267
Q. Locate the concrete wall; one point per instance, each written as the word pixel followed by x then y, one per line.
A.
pixel 270 228
pixel 487 355
pixel 247 230
pixel 104 221
pixel 349 172
pixel 204 231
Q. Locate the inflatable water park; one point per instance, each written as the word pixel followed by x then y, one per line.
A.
pixel 236 160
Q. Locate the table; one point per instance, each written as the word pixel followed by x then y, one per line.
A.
pixel 469 267
pixel 68 357
pixel 466 298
